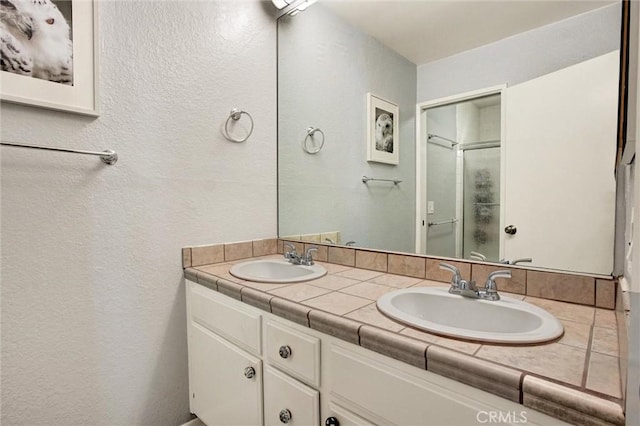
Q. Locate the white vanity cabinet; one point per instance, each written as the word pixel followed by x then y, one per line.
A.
pixel 229 382
pixel 304 377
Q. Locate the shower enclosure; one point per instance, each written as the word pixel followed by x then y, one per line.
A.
pixel 462 179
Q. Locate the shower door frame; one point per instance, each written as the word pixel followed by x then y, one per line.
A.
pixel 421 159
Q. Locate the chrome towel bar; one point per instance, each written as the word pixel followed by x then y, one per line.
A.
pixel 442 223
pixel 108 157
pixel 367 179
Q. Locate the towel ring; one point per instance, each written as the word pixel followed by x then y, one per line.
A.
pixel 310 132
pixel 235 115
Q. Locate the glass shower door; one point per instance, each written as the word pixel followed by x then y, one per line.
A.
pixel 442 224
pixel 481 193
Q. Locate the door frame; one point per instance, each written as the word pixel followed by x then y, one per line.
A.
pixel 421 158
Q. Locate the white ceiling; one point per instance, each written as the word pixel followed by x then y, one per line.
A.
pixel 425 30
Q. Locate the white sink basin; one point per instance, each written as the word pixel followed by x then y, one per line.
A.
pixel 435 310
pixel 276 271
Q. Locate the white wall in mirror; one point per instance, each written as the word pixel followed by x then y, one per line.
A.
pixel 524 56
pixel 326 69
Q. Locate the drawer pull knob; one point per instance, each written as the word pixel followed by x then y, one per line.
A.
pixel 284 351
pixel 249 372
pixel 285 416
pixel 331 421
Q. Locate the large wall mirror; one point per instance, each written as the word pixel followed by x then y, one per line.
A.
pixel 492 127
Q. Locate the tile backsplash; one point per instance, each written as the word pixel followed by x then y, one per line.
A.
pixel 581 289
pixel 218 253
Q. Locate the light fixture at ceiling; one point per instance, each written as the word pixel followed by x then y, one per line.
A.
pixel 294 6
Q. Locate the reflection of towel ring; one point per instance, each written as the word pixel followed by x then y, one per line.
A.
pixel 310 132
pixel 235 114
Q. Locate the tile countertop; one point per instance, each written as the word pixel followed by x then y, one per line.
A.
pixel 575 378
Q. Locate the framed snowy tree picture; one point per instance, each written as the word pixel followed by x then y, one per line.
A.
pixel 49 54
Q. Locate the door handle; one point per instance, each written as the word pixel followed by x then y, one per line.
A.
pixel 511 230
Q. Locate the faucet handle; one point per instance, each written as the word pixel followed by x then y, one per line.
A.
pixel 499 274
pixel 307 256
pixel 291 254
pixel 490 286
pixel 455 280
pixel 477 256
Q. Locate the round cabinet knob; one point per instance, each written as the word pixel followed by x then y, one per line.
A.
pixel 249 372
pixel 331 421
pixel 284 351
pixel 511 230
pixel 285 416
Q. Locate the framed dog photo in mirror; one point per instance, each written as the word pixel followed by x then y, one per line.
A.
pixel 382 130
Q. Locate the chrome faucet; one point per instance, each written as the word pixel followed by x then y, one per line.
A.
pixel 458 285
pixel 294 257
pixel 468 288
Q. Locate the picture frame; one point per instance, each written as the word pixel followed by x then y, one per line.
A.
pixel 80 97
pixel 383 144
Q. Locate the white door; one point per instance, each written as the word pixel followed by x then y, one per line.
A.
pixel 224 389
pixel 560 154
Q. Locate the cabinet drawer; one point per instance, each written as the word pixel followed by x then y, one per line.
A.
pixel 293 351
pixel 346 417
pixel 375 391
pixel 233 321
pixel 287 401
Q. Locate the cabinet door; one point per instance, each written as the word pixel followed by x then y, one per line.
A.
pixel 224 392
pixel 287 401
